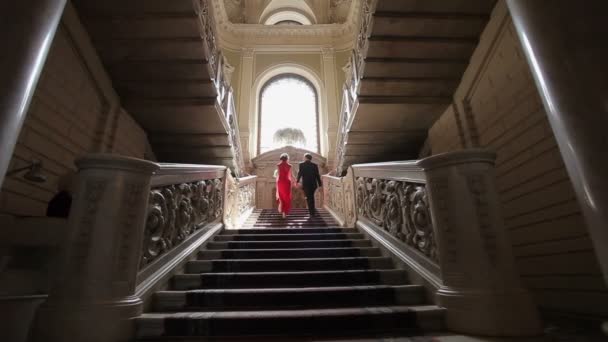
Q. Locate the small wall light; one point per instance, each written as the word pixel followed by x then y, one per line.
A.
pixel 34 173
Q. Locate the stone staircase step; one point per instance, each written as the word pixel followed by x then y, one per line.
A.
pixel 288 279
pixel 287 244
pixel 266 265
pixel 317 322
pixel 283 298
pixel 288 237
pixel 288 253
pixel 329 230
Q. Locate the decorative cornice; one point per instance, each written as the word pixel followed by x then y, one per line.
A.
pixel 327 51
pixel 234 36
pixel 247 52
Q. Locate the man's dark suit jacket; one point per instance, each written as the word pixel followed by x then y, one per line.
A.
pixel 309 173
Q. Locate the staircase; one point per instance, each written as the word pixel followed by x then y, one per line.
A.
pixel 293 277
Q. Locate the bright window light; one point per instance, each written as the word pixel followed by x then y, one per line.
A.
pixel 288 113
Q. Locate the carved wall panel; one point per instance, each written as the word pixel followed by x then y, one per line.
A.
pixel 400 208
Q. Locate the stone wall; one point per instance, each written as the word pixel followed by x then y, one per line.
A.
pixel 74 111
pixel 498 106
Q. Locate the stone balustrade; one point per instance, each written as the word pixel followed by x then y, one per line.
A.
pixel 440 217
pixel 131 224
pixel 182 199
pixel 220 72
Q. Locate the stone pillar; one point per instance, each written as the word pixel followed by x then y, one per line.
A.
pixel 565 46
pixel 481 286
pixel 27 29
pixel 245 112
pixel 329 128
pixel 93 297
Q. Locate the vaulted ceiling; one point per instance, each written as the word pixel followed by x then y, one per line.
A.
pixel 259 11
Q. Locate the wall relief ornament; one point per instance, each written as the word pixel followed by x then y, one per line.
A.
pixel 401 209
pixel 177 211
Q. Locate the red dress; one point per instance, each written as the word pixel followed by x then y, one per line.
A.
pixel 284 187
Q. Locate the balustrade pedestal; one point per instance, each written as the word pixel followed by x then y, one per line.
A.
pixel 93 296
pixel 481 287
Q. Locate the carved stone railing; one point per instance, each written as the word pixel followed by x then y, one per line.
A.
pixel 393 197
pixel 183 198
pixel 339 199
pixel 219 71
pixel 240 200
pixel 441 217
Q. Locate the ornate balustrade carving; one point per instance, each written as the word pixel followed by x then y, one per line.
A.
pixel 334 196
pixel 339 199
pixel 393 197
pixel 183 198
pixel 241 200
pixel 400 208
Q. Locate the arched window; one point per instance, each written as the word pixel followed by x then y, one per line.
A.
pixel 288 114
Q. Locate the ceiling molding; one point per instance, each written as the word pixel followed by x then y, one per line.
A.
pixel 237 36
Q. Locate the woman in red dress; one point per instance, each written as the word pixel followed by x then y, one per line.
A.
pixel 284 181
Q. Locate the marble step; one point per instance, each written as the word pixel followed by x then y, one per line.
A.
pixel 315 322
pixel 182 282
pixel 329 230
pixel 284 298
pixel 288 253
pixel 288 237
pixel 287 244
pixel 266 265
pixel 296 224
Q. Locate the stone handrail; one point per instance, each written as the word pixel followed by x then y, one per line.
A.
pixel 441 217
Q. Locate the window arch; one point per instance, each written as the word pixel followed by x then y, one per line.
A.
pixel 288 111
pixel 287 15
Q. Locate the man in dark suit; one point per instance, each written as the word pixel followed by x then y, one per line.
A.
pixel 309 174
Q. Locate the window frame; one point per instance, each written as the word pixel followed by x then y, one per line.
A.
pixel 260 112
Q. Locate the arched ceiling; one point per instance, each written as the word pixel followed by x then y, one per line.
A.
pixel 316 11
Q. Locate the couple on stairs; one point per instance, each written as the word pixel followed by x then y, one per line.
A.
pixel 309 174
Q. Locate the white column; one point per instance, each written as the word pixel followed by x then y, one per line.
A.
pixel 244 110
pixel 330 127
pixel 564 42
pixel 481 288
pixel 93 295
pixel 27 29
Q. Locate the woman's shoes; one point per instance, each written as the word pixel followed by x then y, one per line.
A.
pixel 284 215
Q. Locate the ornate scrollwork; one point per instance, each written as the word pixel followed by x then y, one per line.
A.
pixel 177 211
pixel 246 198
pixel 334 198
pixel 401 209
